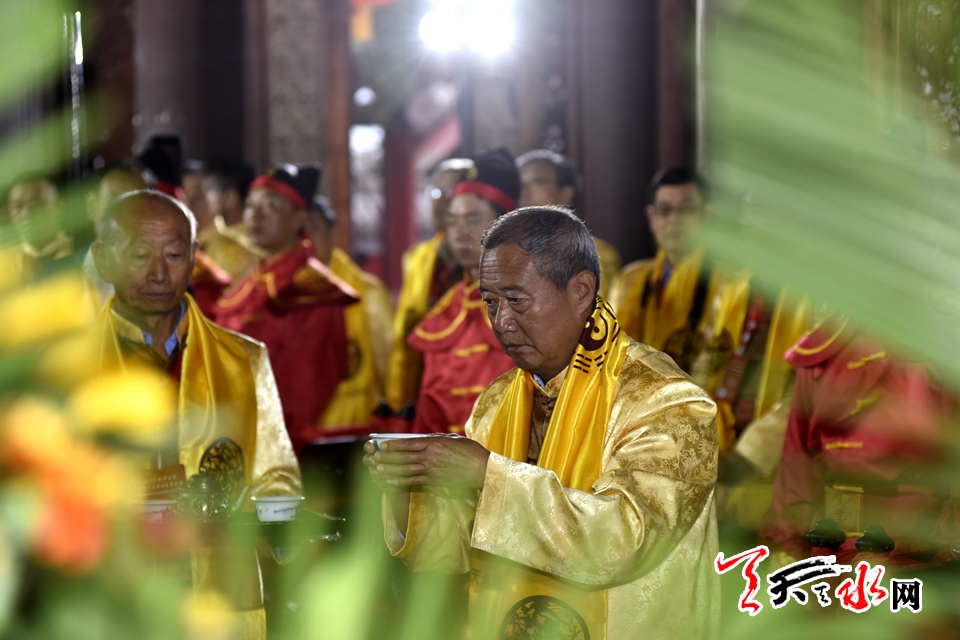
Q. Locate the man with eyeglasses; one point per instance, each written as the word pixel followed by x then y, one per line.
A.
pixel 661 301
pixel 724 331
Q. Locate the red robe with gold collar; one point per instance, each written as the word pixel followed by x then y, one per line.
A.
pixel 294 304
pixel 863 441
pixel 461 356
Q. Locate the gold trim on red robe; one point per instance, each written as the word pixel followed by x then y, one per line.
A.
pixel 461 357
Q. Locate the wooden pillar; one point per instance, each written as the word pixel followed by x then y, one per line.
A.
pixel 399 226
pixel 338 117
pixel 616 116
pixel 675 105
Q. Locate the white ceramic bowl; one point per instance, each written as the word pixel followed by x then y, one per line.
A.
pixel 277 508
pixel 156 511
pixel 379 438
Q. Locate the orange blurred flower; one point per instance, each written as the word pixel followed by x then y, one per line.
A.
pixel 77 483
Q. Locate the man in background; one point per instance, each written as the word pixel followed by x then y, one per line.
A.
pixel 460 353
pixel 549 178
pixel 429 270
pixel 44 247
pixel 369 327
pixel 292 302
pixel 225 239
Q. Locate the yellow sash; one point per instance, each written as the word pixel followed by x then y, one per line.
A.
pixel 672 315
pixel 505 593
pixel 217 394
pixel 357 394
pixel 406 363
pixel 791 319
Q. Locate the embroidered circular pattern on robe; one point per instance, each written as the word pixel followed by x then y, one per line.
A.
pixel 683 346
pixel 224 460
pixel 719 353
pixel 543 618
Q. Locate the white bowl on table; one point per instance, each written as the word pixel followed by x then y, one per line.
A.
pixel 277 508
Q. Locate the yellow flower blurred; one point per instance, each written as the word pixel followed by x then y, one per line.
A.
pixel 207 615
pixel 69 359
pixel 53 307
pixel 132 404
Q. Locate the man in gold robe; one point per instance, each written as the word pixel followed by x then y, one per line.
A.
pixel 546 178
pixel 429 270
pixel 45 249
pixel 231 423
pixel 583 495
pixel 369 327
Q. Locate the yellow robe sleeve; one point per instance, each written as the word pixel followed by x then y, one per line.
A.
pixel 438 531
pixel 275 468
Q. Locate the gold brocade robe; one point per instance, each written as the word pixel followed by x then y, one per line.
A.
pixel 369 333
pixel 609 266
pixel 271 468
pixel 641 542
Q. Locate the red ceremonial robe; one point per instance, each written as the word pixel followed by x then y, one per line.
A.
pixel 209 281
pixel 461 356
pixel 862 442
pixel 294 304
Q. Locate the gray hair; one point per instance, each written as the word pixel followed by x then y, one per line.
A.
pixel 129 201
pixel 554 237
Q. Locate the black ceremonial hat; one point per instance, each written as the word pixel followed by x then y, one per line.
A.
pixel 295 182
pixel 163 156
pixel 321 204
pixel 493 177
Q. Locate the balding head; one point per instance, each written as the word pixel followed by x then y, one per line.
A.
pixel 146 250
pixel 133 205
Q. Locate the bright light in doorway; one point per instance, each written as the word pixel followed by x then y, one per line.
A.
pixel 485 26
pixel 364 97
pixel 440 30
pixel 365 138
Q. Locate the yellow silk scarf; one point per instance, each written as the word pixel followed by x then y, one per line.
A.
pixel 661 321
pixel 217 393
pixel 573 445
pixel 403 372
pixel 791 319
pixel 357 395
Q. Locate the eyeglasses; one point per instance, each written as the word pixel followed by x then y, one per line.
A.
pixel 686 209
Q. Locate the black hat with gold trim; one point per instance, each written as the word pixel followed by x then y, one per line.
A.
pixel 494 177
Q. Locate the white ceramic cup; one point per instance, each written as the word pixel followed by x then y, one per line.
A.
pixel 277 508
pixel 379 438
pixel 156 511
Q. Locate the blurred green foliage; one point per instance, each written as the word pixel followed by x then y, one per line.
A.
pixel 820 192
